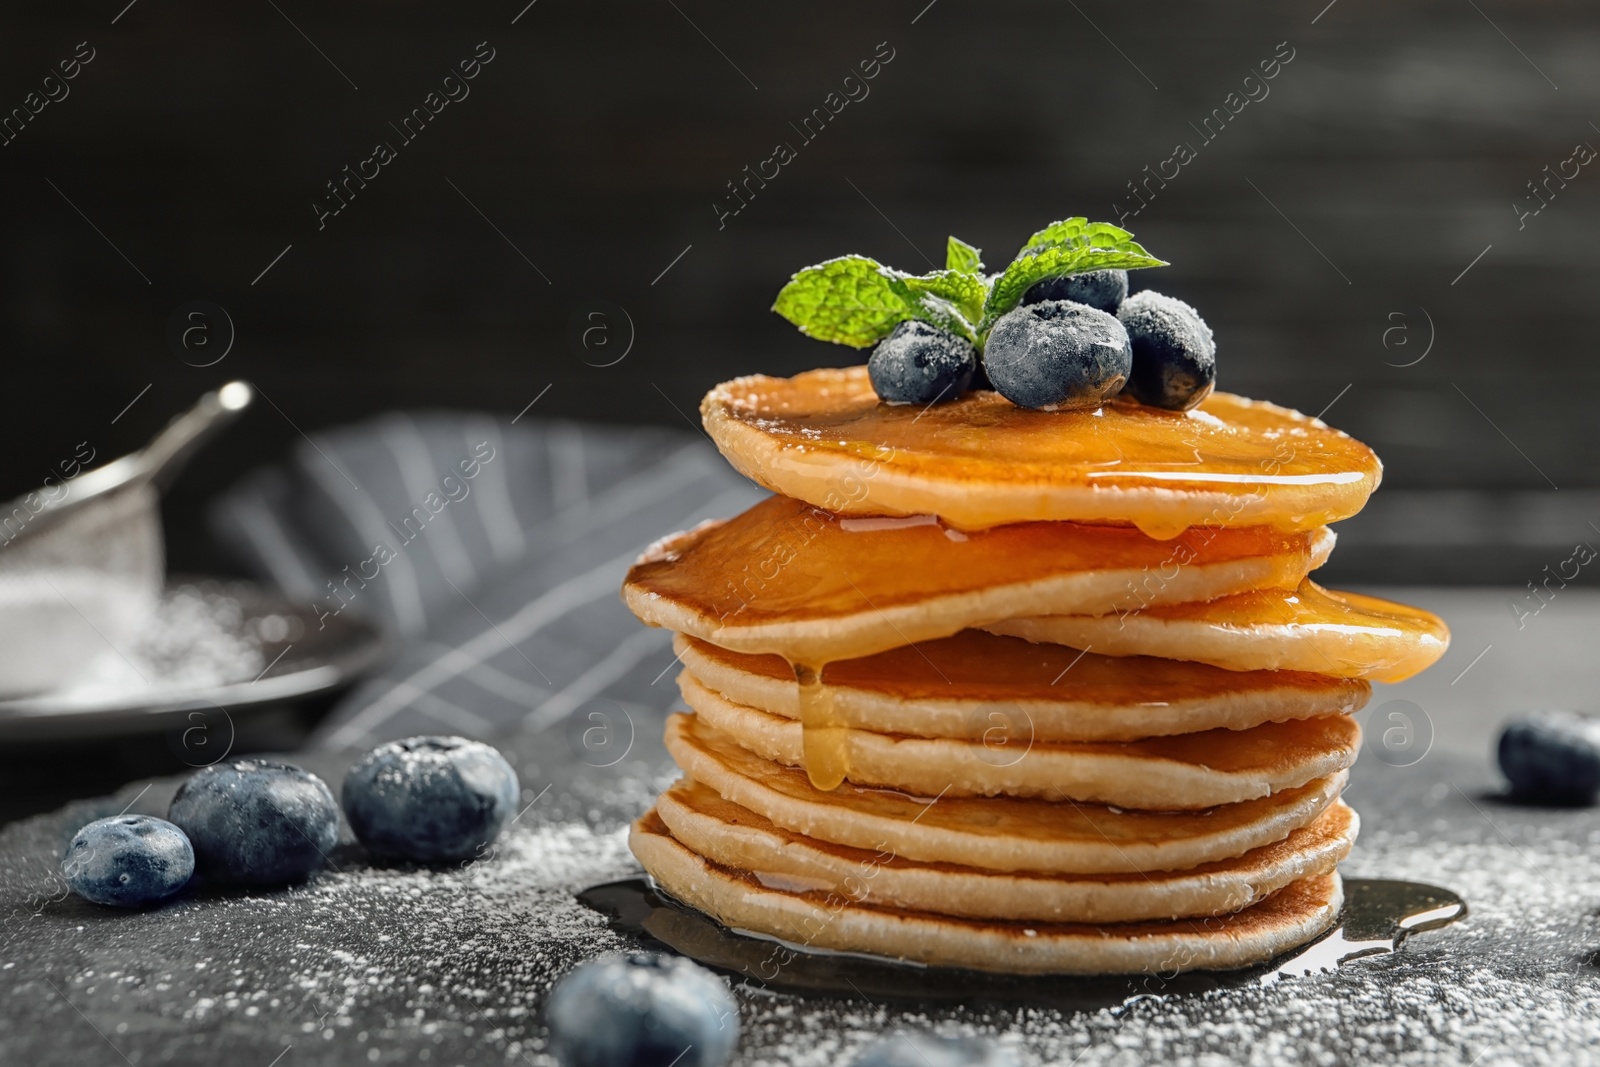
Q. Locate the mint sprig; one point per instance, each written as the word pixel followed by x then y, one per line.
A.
pixel 857 301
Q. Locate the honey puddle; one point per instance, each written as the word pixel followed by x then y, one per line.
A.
pixel 1379 914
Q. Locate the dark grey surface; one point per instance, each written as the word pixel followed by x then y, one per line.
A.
pixel 405 965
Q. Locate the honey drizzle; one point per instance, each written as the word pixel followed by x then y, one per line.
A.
pixel 826 743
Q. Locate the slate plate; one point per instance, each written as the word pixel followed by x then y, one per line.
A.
pixel 383 964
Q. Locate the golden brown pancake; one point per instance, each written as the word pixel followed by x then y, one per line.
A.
pixel 981 461
pixel 788 579
pixel 736 837
pixel 1182 772
pixel 1346 635
pixel 983 687
pixel 995 833
pixel 818 920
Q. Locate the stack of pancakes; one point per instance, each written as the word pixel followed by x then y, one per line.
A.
pixel 1017 690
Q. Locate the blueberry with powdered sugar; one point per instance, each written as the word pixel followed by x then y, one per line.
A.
pixel 1104 290
pixel 1552 756
pixel 642 1010
pixel 255 822
pixel 1057 354
pixel 1174 353
pixel 919 364
pixel 128 861
pixel 430 798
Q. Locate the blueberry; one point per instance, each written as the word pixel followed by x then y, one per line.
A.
pixel 128 860
pixel 1057 355
pixel 430 798
pixel 641 1010
pixel 1552 756
pixel 918 364
pixel 256 823
pixel 1103 290
pixel 934 1050
pixel 1174 354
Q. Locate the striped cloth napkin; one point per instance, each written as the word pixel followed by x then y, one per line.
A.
pixel 494 552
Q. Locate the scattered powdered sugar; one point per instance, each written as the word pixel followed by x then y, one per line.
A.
pixel 477 945
pixel 392 964
pixel 456 954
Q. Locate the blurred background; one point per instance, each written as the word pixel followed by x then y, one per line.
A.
pixel 1323 232
pixel 1396 228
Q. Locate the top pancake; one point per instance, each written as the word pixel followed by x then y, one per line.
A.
pixel 981 461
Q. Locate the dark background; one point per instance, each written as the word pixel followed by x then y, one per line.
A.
pixel 1387 156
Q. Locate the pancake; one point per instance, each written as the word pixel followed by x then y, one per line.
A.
pixel 789 579
pixel 995 833
pixel 1307 629
pixel 981 461
pixel 980 686
pixel 817 920
pixel 731 836
pixel 1182 772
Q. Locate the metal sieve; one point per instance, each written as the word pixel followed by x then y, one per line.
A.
pixel 81 563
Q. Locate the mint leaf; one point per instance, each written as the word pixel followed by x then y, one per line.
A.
pixel 1081 233
pixel 851 301
pixel 856 301
pixel 963 293
pixel 1071 246
pixel 961 256
pixel 937 310
pixel 1037 265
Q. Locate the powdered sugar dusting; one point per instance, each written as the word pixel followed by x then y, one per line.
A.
pixel 393 964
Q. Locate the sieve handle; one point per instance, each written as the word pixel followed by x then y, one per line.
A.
pixel 160 461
